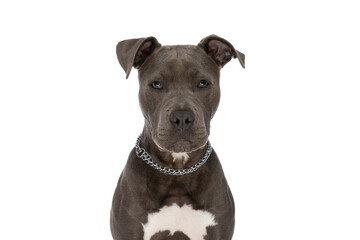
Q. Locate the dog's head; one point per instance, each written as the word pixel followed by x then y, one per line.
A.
pixel 179 87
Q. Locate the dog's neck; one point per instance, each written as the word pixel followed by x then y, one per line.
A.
pixel 169 159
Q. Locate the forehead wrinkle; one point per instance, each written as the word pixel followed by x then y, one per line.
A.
pixel 172 60
pixel 184 52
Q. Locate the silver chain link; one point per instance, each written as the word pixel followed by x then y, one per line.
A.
pixel 141 153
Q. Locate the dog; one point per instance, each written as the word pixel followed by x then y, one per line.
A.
pixel 173 185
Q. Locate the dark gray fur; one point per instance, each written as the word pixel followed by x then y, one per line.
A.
pixel 177 119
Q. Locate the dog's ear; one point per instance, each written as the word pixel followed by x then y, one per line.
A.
pixel 220 50
pixel 133 52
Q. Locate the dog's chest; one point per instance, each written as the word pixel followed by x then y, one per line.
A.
pixel 184 219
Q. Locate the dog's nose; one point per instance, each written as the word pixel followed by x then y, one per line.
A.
pixel 182 119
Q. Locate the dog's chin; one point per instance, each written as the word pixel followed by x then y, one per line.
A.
pixel 181 145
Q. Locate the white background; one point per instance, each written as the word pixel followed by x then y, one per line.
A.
pixel 287 130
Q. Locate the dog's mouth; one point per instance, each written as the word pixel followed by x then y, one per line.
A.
pixel 175 141
pixel 180 146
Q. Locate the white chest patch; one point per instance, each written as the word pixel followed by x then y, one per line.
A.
pixel 173 218
pixel 180 156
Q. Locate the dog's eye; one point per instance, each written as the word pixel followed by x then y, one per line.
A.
pixel 203 84
pixel 157 85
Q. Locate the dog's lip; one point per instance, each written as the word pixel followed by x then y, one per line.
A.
pixel 181 140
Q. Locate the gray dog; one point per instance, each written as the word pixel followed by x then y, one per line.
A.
pixel 173 186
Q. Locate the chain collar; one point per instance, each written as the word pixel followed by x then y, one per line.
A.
pixel 141 153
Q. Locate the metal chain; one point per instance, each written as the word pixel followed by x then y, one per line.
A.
pixel 141 153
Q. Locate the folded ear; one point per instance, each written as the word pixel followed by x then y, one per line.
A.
pixel 220 50
pixel 133 52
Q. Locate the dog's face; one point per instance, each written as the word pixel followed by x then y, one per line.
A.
pixel 179 94
pixel 179 88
